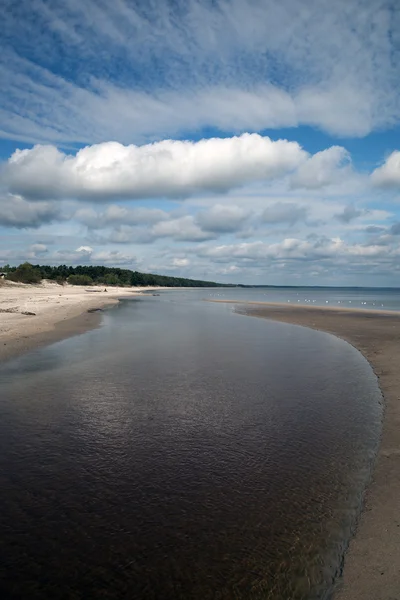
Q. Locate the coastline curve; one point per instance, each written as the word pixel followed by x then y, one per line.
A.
pixel 370 571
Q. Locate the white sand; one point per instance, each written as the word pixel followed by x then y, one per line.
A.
pixel 51 303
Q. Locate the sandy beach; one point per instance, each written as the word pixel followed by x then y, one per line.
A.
pixel 372 565
pixel 57 311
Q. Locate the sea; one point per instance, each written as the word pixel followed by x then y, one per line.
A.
pixel 336 297
pixel 183 451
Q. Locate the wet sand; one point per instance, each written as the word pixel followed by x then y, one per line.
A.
pixel 372 562
pixel 35 315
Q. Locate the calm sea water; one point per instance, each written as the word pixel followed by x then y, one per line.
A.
pixel 183 452
pixel 366 298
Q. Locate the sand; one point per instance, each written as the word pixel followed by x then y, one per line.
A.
pixel 59 312
pixel 372 562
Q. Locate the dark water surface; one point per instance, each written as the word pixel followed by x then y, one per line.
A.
pixel 183 452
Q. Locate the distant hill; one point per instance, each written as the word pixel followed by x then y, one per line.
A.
pixel 88 275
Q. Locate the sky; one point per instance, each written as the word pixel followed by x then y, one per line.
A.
pixel 242 141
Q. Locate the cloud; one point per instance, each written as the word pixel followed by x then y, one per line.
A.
pixel 85 255
pixel 15 211
pixel 180 262
pixel 320 249
pixel 126 234
pixel 88 255
pixel 113 258
pixel 39 248
pixel 350 213
pixel 222 219
pixel 182 229
pixel 36 252
pixel 323 168
pixel 230 270
pixel 161 69
pixel 205 225
pixel 375 229
pixel 388 175
pixel 118 215
pixel 284 212
pixel 395 229
pixel 84 251
pixel 164 169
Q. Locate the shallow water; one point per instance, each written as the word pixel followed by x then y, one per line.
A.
pixel 335 297
pixel 183 451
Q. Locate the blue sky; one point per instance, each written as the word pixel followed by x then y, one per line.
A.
pixel 247 141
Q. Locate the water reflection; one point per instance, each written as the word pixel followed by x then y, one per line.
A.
pixel 182 451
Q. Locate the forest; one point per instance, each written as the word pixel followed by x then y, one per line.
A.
pixel 98 275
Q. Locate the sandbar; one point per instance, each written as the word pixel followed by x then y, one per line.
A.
pixel 372 562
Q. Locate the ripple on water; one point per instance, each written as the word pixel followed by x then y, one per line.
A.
pixel 183 452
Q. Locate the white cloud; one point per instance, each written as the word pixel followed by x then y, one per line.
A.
pixel 323 168
pixel 231 64
pixel 36 252
pixel 388 175
pixel 319 249
pixel 181 229
pixel 180 262
pixel 168 168
pixel 85 250
pixel 39 248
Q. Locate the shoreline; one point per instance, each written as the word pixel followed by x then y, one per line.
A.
pixel 371 564
pixel 54 313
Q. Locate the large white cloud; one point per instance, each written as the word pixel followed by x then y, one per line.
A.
pixel 164 169
pixel 388 175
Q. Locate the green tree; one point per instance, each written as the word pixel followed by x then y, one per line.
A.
pixel 26 273
pixel 111 279
pixel 80 280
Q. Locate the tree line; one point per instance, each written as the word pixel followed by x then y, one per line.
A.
pixel 97 275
